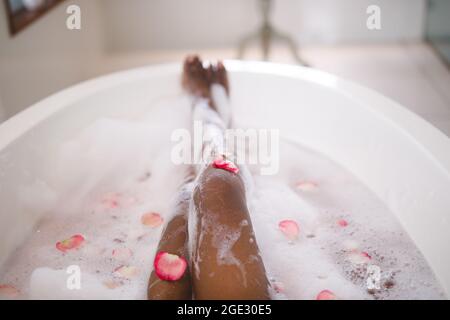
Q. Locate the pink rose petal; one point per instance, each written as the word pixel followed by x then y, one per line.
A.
pixel 169 267
pixel 326 295
pixel 111 200
pixel 278 286
pixel 7 291
pixel 342 223
pixel 221 163
pixel 111 284
pixel 152 219
pixel 366 255
pixel 73 242
pixel 359 257
pixel 307 186
pixel 122 253
pixel 290 229
pixel 126 272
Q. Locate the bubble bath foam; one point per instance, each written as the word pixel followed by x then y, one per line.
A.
pixel 105 196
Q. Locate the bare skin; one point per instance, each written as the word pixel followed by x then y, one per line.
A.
pixel 174 240
pixel 197 80
pixel 223 221
pixel 226 263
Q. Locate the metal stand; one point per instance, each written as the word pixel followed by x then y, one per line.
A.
pixel 267 34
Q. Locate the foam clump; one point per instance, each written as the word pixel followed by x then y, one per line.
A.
pixel 50 284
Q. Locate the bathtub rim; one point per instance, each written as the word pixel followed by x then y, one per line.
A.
pixel 435 144
pixel 433 141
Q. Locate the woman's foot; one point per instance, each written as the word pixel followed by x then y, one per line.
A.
pixel 219 75
pixel 197 79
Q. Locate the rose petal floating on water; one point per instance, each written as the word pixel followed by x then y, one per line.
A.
pixel 169 267
pixel 366 255
pixel 290 229
pixel 307 186
pixel 73 242
pixel 7 291
pixel 326 295
pixel 122 253
pixel 221 163
pixel 152 219
pixel 359 257
pixel 278 286
pixel 126 272
pixel 342 223
pixel 111 284
pixel 111 201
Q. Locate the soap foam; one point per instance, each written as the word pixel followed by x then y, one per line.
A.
pixel 100 182
pixel 328 255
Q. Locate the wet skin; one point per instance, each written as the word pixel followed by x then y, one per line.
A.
pixel 226 263
pixel 221 210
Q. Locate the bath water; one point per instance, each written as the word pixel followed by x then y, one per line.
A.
pixel 105 180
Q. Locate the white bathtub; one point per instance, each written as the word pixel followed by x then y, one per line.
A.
pixel 399 156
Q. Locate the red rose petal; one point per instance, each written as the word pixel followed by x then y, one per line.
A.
pixel 326 295
pixel 366 255
pixel 169 267
pixel 221 163
pixel 7 291
pixel 152 219
pixel 342 223
pixel 73 242
pixel 290 229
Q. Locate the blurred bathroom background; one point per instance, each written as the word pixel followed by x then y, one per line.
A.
pixel 407 59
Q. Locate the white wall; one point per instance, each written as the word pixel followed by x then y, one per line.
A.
pixel 143 24
pixel 149 24
pixel 344 21
pixel 46 57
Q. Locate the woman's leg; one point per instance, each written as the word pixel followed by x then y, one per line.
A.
pixel 174 241
pixel 226 263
